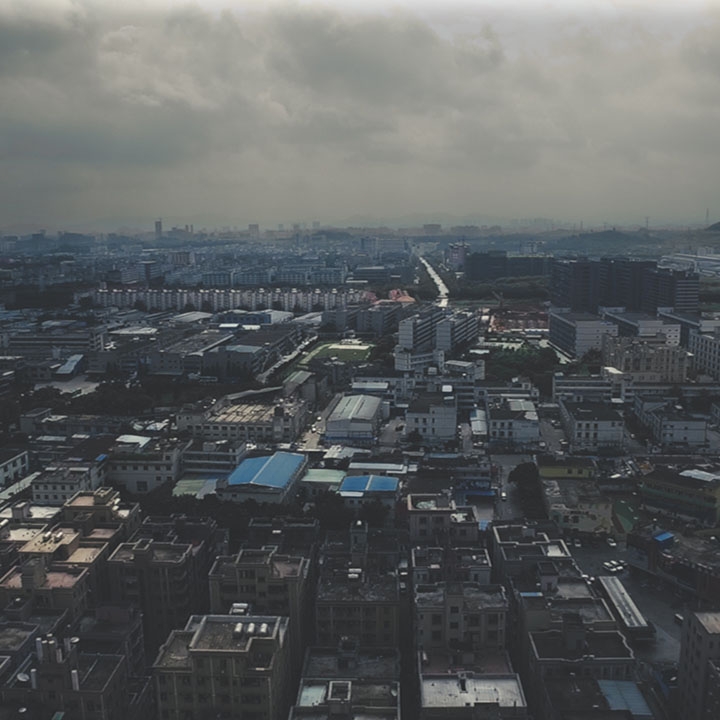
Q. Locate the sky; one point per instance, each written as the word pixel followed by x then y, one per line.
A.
pixel 224 113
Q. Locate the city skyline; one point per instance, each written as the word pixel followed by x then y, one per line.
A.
pixel 227 113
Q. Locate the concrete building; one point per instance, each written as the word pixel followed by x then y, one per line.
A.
pixel 359 490
pixel 234 665
pixel 642 326
pixel 354 420
pixel 644 361
pixel 270 478
pixel 433 416
pixel 14 465
pixel 690 492
pixel 358 603
pixel 577 333
pixel 61 481
pixel 461 615
pixel 705 349
pixel 141 464
pixel 581 388
pixel 592 425
pixel 699 649
pixel 164 579
pixel 373 677
pixel 55 586
pixel 513 422
pixel 437 519
pixel 239 418
pixel 436 564
pixel 669 424
pixel 468 695
pixel 59 680
pixel 270 582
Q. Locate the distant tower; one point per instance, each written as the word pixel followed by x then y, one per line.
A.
pixel 158 228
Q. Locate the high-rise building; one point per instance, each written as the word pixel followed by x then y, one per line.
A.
pixel 158 228
pixel 699 652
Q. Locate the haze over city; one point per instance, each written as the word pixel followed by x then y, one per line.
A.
pixel 229 112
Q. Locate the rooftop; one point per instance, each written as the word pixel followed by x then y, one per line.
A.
pixel 274 471
pixel 551 645
pixel 369 483
pixel 379 663
pixel 448 691
pixel 356 407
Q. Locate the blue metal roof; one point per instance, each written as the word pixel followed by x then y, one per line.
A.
pixel 625 695
pixel 663 537
pixel 271 470
pixel 366 483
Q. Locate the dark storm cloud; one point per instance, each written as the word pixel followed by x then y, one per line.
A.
pixel 302 111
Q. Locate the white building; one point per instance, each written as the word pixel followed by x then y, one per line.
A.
pixel 592 425
pixel 142 464
pixel 433 416
pixel 13 465
pixel 669 423
pixel 513 422
pixel 355 420
pixel 576 333
pixel 61 481
pixel 705 348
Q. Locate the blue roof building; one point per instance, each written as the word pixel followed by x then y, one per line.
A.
pixel 270 478
pixel 356 490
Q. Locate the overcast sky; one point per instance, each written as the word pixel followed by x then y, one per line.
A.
pixel 230 112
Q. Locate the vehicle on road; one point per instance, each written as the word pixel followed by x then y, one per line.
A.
pixel 609 565
pixel 612 542
pixel 503 495
pixel 577 543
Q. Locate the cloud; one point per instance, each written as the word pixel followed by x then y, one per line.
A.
pixel 290 111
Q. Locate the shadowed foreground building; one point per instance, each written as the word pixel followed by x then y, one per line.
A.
pixel 225 666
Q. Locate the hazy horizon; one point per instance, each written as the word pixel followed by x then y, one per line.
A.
pixel 227 113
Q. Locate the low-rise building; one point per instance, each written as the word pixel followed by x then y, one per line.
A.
pixel 461 615
pixel 436 518
pixel 359 490
pixel 669 424
pixel 142 464
pixel 469 695
pixel 513 422
pixel 592 425
pixel 577 333
pixel 240 418
pixel 271 478
pixel 357 603
pixel 225 664
pixel 355 420
pixel 690 492
pixel 432 417
pixel 14 464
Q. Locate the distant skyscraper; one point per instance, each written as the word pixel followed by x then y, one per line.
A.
pixel 158 228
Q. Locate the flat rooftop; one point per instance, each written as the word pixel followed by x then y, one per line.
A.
pixel 380 663
pixel 550 644
pixel 451 691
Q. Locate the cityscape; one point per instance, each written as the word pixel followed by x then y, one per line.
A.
pixel 359 360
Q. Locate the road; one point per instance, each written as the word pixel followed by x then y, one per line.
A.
pixel 443 292
pixel 656 604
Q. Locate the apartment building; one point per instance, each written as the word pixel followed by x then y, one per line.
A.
pixel 225 665
pixel 437 518
pixel 592 425
pixel 164 579
pixel 433 417
pixel 699 657
pixel 461 614
pixel 357 603
pixel 577 333
pixel 141 464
